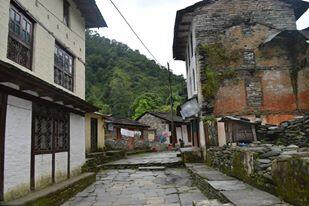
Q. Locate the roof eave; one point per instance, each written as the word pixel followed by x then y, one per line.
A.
pixel 178 48
pixel 91 13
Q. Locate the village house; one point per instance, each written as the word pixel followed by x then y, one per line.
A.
pixel 42 91
pixel 160 123
pixel 245 59
pixel 95 132
pixel 125 134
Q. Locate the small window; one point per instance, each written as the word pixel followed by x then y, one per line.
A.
pixel 20 38
pixel 191 44
pixel 194 81
pixel 63 69
pixel 66 13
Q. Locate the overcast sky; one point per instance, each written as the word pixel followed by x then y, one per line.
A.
pixel 154 21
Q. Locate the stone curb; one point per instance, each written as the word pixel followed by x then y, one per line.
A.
pixel 56 194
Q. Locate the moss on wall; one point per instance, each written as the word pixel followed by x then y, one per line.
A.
pixel 238 166
pixel 17 192
pixel 289 177
pixel 216 61
pixel 59 197
pixel 292 179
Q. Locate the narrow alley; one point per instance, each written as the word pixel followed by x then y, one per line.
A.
pixel 163 186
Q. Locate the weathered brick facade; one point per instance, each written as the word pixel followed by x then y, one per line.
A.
pixel 263 49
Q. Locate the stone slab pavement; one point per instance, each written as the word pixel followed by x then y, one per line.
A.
pixel 161 158
pixel 236 191
pixel 127 187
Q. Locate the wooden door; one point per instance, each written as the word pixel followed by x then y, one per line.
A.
pixel 3 104
pixel 94 134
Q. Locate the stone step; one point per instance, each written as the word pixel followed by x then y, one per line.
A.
pixel 217 185
pixel 135 165
pixel 159 168
pixel 210 203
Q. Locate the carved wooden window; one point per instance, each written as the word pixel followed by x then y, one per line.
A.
pixel 20 38
pixel 51 129
pixel 63 70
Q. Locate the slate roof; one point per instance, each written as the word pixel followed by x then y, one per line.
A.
pixel 182 26
pixel 125 122
pixel 293 35
pixel 91 13
pixel 237 119
pixel 165 116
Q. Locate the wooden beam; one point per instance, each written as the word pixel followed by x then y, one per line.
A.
pixel 3 108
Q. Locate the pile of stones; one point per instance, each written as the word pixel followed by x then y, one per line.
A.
pixel 290 132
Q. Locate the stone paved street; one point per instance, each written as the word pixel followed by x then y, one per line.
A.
pixel 172 187
pixel 148 159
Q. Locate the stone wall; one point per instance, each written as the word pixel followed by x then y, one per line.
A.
pixel 155 123
pixel 289 132
pixel 264 82
pixel 127 143
pixel 281 170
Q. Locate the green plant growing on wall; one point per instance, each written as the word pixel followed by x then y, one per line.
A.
pixel 210 119
pixel 216 61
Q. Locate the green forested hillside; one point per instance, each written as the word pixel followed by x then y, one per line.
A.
pixel 124 82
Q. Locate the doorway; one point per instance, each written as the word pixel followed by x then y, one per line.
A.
pixel 94 135
pixel 3 105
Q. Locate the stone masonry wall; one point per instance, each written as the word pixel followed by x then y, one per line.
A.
pixel 154 122
pixel 290 132
pixel 281 170
pixel 263 82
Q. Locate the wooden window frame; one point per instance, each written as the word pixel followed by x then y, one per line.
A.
pixel 53 117
pixel 23 40
pixel 66 13
pixel 55 114
pixel 61 68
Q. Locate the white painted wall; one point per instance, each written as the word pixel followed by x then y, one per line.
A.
pixel 61 166
pixel 43 170
pixel 78 145
pixel 192 81
pixel 48 29
pixel 185 134
pixel 221 134
pixel 202 138
pixel 179 133
pixel 17 146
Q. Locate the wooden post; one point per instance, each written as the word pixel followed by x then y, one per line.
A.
pixel 3 108
pixel 142 134
pixel 118 133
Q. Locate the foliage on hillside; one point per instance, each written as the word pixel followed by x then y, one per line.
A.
pixel 124 82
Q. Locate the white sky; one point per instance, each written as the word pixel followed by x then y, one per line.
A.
pixel 154 21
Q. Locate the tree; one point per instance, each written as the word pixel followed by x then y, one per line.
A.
pixel 120 93
pixel 145 102
pixel 117 75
